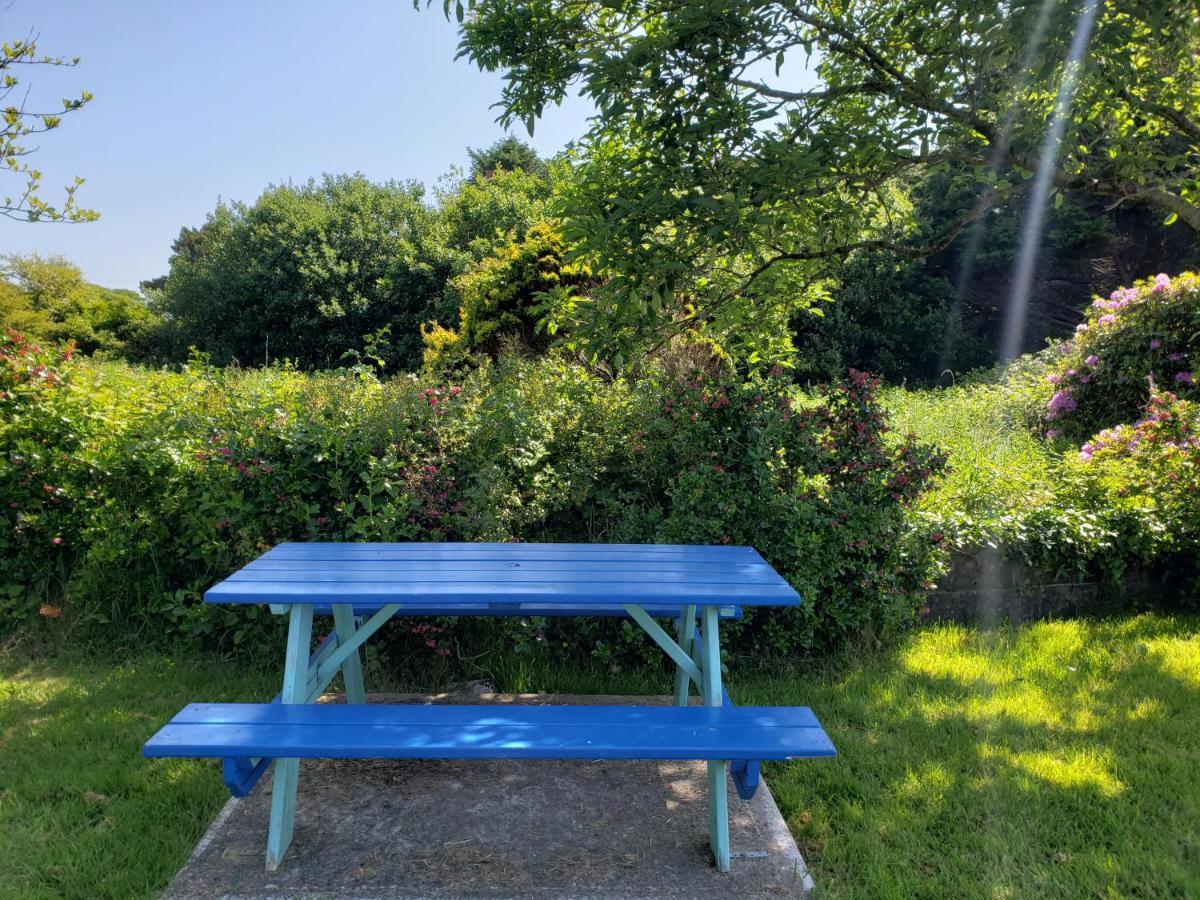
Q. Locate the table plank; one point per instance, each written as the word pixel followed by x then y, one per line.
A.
pixel 449 575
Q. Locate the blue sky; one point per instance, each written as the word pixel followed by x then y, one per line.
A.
pixel 216 99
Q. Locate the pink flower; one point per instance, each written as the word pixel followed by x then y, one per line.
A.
pixel 1054 379
pixel 1061 402
pixel 1092 361
pixel 57 542
pixel 221 523
pixel 1052 434
pixel 1081 328
pixel 1106 319
pixel 1161 283
pixel 1086 451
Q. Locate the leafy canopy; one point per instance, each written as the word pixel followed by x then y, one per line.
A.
pixel 48 299
pixel 716 162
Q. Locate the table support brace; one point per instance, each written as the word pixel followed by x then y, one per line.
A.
pixel 287 771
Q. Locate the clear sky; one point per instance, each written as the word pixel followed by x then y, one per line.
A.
pixel 209 99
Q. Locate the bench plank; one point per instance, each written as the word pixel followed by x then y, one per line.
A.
pixel 488 732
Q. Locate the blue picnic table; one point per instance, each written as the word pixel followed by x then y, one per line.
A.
pixel 363 585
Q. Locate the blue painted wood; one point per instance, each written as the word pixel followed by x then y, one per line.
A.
pixel 455 550
pixel 712 694
pixel 352 673
pixel 287 765
pixel 488 732
pixel 474 577
pixel 658 610
pixel 746 773
pixel 686 632
pixel 242 773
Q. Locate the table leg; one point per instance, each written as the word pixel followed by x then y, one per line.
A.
pixel 718 800
pixel 687 631
pixel 352 674
pixel 287 771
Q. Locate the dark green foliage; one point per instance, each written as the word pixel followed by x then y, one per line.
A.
pixel 45 421
pixel 509 154
pixel 305 272
pixel 892 316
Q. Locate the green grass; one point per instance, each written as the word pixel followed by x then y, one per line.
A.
pixel 81 813
pixel 1055 760
pixel 998 470
pixel 1058 760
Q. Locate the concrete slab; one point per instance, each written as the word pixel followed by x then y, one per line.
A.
pixel 496 828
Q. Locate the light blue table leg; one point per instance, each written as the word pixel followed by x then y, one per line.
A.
pixel 718 800
pixel 687 631
pixel 287 771
pixel 352 674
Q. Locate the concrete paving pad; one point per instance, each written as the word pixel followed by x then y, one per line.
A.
pixel 497 828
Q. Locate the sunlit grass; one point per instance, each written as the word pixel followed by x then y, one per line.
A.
pixel 1055 760
pixel 997 468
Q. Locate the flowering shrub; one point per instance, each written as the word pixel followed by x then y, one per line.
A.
pixel 196 472
pixel 1151 469
pixel 43 423
pixel 1139 338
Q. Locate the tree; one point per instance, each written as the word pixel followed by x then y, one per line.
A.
pixel 305 272
pixel 49 299
pixel 710 167
pixel 19 124
pixel 509 154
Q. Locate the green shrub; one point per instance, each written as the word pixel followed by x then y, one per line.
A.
pixel 505 298
pixel 184 476
pixel 44 479
pixel 1140 338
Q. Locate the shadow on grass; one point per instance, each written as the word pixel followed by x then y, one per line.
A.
pixel 1055 760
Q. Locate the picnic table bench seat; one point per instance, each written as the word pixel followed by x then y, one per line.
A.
pixel 420 731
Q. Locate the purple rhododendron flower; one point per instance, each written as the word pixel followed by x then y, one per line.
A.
pixel 1092 360
pixel 1155 343
pixel 1174 357
pixel 1183 377
pixel 1052 434
pixel 1061 402
pixel 1054 378
pixel 1107 319
pixel 1161 283
pixel 1086 451
pixel 1081 328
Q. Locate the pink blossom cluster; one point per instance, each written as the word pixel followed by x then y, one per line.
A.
pixel 1062 402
